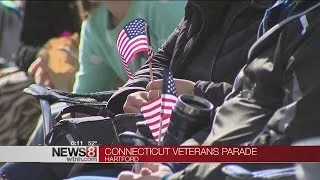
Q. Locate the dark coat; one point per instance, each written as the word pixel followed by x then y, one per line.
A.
pixel 276 100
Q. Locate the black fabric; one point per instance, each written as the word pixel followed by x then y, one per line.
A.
pixel 44 20
pixel 83 109
pixel 184 125
pixel 82 131
pixel 25 56
pixel 214 92
pixel 191 49
pixel 278 86
pixel 35 171
pixel 129 138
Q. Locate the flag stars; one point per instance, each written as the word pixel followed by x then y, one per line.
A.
pixel 136 28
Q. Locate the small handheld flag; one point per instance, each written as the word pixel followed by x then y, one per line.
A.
pixel 132 40
pixel 157 113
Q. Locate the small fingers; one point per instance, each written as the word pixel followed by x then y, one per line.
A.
pixel 134 102
pixel 154 85
pixel 39 76
pixel 42 78
pixel 48 82
pixel 34 66
pixel 153 167
pixel 145 172
pixel 130 109
pixel 126 175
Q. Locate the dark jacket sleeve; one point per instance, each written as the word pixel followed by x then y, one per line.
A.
pixel 161 61
pixel 214 92
pixel 298 118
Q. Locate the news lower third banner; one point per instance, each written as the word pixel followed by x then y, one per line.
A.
pixel 182 154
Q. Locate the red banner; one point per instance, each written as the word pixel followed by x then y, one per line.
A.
pixel 125 154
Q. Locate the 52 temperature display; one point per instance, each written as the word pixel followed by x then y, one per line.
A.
pixel 92 143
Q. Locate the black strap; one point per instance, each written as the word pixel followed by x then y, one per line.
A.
pixel 88 110
pixel 53 95
pixel 105 112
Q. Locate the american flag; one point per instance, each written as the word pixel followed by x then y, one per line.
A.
pixel 132 40
pixel 157 113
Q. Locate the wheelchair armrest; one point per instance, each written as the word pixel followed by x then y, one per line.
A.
pixel 134 139
pixel 53 95
pixel 126 122
pixel 144 130
pixel 47 119
pixel 39 92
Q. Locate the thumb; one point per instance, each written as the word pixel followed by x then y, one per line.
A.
pixel 48 82
pixel 153 94
pixel 154 85
pixel 125 175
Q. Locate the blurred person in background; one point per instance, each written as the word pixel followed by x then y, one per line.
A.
pixel 100 65
pixel 11 14
pixel 42 21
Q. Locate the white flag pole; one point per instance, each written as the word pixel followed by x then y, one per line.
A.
pixel 161 118
pixel 150 49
